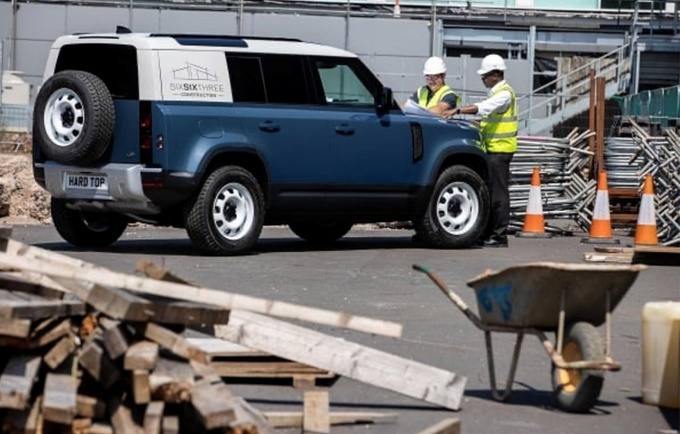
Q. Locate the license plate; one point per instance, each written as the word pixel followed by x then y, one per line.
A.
pixel 87 182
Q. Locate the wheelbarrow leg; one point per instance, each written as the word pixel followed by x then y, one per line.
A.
pixel 492 370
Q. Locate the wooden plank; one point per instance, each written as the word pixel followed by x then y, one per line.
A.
pixel 275 367
pixel 80 425
pixel 610 258
pixel 447 426
pixel 29 284
pixel 121 304
pixel 98 364
pixel 219 347
pixel 19 328
pixel 172 341
pixel 245 413
pixel 349 359
pixel 115 341
pixel 59 352
pixel 315 412
pixel 122 418
pixel 141 355
pixel 153 417
pixel 39 337
pixel 212 411
pixel 59 399
pixel 211 296
pixel 5 231
pixel 141 391
pixel 16 381
pixel 90 407
pixel 171 381
pixel 100 428
pixel 15 304
pixel 26 422
pixel 658 249
pixel 293 419
pixel 171 425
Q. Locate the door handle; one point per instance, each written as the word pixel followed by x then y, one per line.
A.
pixel 269 126
pixel 344 129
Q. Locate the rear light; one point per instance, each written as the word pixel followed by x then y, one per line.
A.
pixel 152 184
pixel 145 133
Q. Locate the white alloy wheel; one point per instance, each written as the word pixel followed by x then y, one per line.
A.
pixel 233 211
pixel 64 117
pixel 457 208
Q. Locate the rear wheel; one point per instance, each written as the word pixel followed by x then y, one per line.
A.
pixel 457 212
pixel 321 232
pixel 86 229
pixel 576 390
pixel 228 214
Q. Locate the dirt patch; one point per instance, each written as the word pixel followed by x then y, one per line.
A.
pixel 22 200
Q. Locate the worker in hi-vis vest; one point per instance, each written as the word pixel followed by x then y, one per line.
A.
pixel 435 96
pixel 499 133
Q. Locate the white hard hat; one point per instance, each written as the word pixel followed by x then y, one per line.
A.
pixel 434 65
pixel 492 62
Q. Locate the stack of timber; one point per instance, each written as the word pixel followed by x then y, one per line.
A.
pixel 119 348
pixel 69 367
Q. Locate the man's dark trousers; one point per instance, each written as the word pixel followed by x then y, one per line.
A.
pixel 499 218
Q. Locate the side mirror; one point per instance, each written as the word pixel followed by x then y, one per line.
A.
pixel 385 100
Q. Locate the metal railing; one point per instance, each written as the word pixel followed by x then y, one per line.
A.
pixel 574 88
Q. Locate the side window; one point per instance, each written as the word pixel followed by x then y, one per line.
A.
pixel 268 79
pixel 247 84
pixel 341 84
pixel 115 65
pixel 284 78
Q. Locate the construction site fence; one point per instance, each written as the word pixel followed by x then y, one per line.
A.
pixel 15 118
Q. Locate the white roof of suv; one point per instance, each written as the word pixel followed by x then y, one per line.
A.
pixel 150 41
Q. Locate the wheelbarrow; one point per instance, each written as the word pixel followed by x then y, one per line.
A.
pixel 568 299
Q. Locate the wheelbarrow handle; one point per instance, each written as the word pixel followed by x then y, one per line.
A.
pixel 460 304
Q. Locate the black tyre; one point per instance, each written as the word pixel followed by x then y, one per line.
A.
pixel 86 229
pixel 321 232
pixel 457 212
pixel 575 390
pixel 228 214
pixel 74 118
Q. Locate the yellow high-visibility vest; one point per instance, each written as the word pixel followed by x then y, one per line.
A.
pixel 436 98
pixel 499 130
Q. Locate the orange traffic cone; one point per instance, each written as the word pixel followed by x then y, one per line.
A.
pixel 534 224
pixel 601 227
pixel 645 232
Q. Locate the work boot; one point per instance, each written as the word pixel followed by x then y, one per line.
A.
pixel 497 241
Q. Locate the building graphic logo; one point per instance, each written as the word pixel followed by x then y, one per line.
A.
pixel 194 76
pixel 193 72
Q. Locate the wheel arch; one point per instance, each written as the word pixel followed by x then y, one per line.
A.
pixel 245 158
pixel 474 159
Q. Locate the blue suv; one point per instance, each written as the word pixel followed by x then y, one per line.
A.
pixel 222 135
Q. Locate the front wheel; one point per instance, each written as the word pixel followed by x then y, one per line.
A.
pixel 457 212
pixel 576 390
pixel 86 229
pixel 321 232
pixel 227 216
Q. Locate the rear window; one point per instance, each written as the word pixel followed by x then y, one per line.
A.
pixel 269 79
pixel 115 65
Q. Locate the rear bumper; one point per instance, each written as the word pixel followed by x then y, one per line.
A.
pixel 125 181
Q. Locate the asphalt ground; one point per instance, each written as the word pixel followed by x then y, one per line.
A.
pixel 369 273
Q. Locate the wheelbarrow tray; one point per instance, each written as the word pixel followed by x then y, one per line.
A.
pixel 529 295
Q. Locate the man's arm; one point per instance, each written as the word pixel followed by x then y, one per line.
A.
pixel 495 104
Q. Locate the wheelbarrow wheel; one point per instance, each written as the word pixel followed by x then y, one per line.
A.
pixel 576 390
